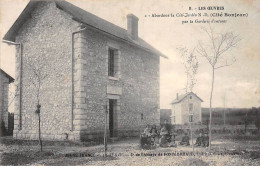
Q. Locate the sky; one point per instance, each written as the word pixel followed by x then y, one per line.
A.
pixel 239 84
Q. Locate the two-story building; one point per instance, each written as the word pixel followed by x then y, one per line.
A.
pixel 186 108
pixel 89 66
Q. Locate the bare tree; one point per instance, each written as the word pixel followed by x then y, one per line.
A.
pixel 190 62
pixel 215 50
pixel 37 79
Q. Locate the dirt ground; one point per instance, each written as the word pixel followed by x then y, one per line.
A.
pixel 226 150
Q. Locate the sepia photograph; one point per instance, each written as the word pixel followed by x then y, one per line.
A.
pixel 130 83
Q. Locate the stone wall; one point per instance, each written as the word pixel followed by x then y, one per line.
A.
pixel 4 88
pixel 136 87
pixel 46 39
pixel 46 45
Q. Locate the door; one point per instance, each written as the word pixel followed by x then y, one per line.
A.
pixel 112 116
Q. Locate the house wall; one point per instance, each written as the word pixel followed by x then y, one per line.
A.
pixel 136 87
pixel 196 109
pixel 46 41
pixel 176 111
pixel 4 88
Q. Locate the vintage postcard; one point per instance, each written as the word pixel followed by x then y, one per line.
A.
pixel 130 83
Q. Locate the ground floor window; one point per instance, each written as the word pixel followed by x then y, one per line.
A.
pixel 190 118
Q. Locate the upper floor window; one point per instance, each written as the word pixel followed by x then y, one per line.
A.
pixel 190 97
pixel 191 106
pixel 113 63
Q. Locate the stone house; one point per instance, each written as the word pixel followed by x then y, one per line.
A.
pixel 5 80
pixel 186 108
pixel 91 66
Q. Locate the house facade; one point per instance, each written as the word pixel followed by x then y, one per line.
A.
pixel 5 80
pixel 186 108
pixel 90 67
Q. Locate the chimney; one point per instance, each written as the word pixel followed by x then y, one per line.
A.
pixel 177 96
pixel 132 27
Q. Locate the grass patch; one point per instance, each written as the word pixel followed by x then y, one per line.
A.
pixel 24 158
pixel 242 137
pixel 193 162
pixel 8 141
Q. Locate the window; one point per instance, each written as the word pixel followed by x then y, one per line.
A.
pixel 191 107
pixel 174 119
pixel 190 97
pixel 142 116
pixel 111 62
pixel 190 118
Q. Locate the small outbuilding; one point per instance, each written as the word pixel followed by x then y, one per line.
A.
pixel 5 80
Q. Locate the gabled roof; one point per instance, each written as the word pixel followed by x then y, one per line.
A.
pixel 84 17
pixel 11 80
pixel 181 97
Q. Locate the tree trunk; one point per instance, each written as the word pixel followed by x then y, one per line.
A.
pixel 40 140
pixel 190 124
pixel 210 107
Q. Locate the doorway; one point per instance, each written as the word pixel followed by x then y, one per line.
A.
pixel 112 118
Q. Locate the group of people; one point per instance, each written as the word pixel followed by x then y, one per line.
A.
pixel 148 137
pixel 202 140
pixel 150 133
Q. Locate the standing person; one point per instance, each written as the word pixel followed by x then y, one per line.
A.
pixel 154 133
pixel 163 134
pixel 168 128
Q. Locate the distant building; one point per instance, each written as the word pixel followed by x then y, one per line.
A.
pixel 5 80
pixel 186 108
pixel 165 114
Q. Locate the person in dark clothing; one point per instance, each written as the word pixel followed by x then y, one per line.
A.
pixel 168 128
pixel 205 141
pixel 185 140
pixel 199 140
pixel 163 138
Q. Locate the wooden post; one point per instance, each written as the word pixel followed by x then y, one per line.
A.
pixel 105 132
